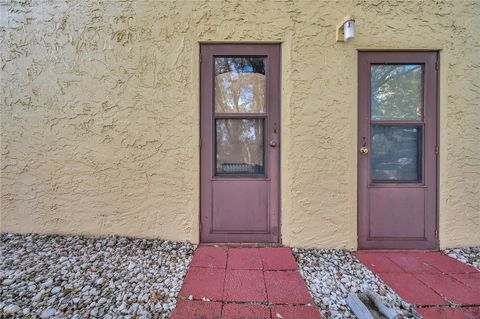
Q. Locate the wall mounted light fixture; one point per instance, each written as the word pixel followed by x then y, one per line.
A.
pixel 346 29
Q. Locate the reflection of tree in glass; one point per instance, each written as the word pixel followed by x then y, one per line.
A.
pixel 396 92
pixel 396 153
pixel 240 141
pixel 239 65
pixel 240 84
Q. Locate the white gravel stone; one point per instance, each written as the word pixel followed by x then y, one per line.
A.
pixel 38 296
pixel 467 255
pixel 8 282
pixel 56 290
pixel 76 277
pixel 47 313
pixel 48 283
pixel 332 274
pixel 11 309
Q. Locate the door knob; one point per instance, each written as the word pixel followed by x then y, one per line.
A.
pixel 273 143
pixel 364 150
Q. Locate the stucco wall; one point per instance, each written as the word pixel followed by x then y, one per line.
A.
pixel 100 112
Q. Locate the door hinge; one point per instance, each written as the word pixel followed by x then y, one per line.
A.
pixel 436 150
pixel 436 233
pixel 437 64
pixel 200 143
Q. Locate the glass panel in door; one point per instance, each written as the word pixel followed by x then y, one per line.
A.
pixel 396 92
pixel 396 129
pixel 239 148
pixel 396 153
pixel 240 115
pixel 240 85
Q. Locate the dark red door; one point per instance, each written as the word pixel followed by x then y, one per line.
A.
pixel 397 144
pixel 240 123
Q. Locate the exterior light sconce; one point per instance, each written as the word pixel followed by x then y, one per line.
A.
pixel 346 29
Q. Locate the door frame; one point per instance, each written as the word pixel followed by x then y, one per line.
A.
pixel 273 50
pixel 393 56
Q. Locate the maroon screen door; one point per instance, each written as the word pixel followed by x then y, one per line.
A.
pixel 397 144
pixel 240 142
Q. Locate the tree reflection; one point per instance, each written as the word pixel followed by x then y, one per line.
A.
pixel 396 92
pixel 239 146
pixel 240 85
pixel 396 153
pixel 239 65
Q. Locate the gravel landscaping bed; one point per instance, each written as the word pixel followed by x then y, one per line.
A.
pixel 332 274
pixel 467 255
pixel 75 277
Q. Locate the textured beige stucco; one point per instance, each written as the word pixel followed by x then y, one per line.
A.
pixel 100 111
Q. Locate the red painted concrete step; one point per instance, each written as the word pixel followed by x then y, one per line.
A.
pixel 244 283
pixel 187 309
pixel 240 311
pixel 295 312
pixel 450 313
pixel 471 279
pixel 378 263
pixel 446 264
pixel 452 290
pixel 201 283
pixel 278 259
pixel 244 258
pixel 413 263
pixel 210 257
pixel 441 286
pixel 286 287
pixel 244 286
pixel 412 290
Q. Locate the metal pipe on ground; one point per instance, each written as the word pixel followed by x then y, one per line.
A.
pixel 358 307
pixel 369 305
pixel 385 310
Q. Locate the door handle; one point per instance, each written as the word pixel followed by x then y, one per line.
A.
pixel 364 150
pixel 273 143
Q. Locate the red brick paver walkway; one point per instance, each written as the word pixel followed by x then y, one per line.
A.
pixel 441 287
pixel 244 283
